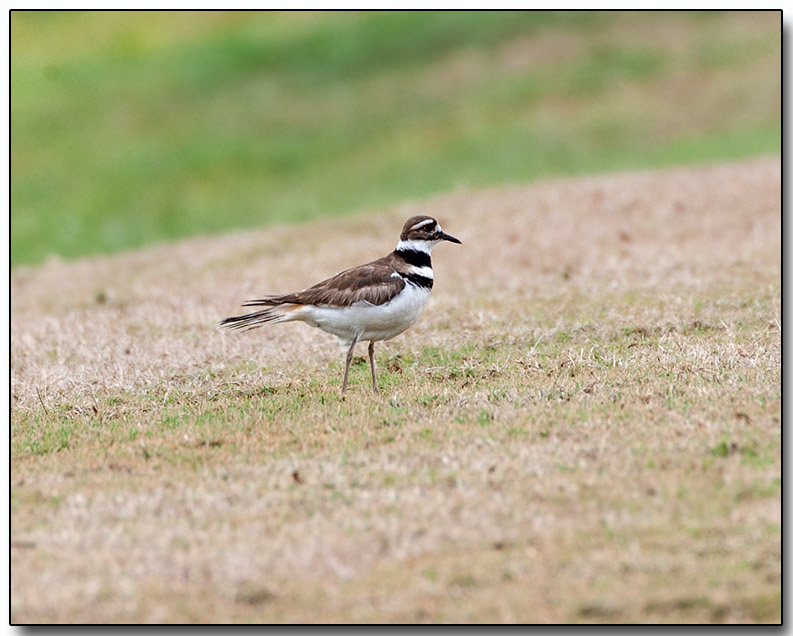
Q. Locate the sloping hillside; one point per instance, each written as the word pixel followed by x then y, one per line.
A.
pixel 583 426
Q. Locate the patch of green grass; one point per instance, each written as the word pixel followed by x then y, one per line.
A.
pixel 128 129
pixel 608 64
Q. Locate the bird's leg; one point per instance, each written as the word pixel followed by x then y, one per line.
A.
pixel 349 360
pixel 371 364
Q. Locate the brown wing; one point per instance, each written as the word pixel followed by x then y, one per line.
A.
pixel 372 283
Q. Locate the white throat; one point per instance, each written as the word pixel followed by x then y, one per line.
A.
pixel 416 245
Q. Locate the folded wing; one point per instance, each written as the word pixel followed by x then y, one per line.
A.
pixel 375 283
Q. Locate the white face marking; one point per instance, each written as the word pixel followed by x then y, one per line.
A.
pixel 422 224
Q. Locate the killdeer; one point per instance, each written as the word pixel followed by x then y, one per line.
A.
pixel 373 302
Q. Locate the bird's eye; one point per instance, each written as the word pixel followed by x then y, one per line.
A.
pixel 429 228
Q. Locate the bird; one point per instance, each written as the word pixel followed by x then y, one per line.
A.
pixel 372 302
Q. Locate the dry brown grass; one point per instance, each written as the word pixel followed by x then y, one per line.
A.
pixel 584 426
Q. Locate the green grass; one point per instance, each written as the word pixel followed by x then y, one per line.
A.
pixel 145 127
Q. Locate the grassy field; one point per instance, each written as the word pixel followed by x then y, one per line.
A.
pixel 584 426
pixel 129 129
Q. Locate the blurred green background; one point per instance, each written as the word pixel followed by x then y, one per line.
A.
pixel 132 128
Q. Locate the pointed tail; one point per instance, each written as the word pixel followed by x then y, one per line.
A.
pixel 246 322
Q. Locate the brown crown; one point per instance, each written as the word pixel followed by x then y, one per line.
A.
pixel 408 233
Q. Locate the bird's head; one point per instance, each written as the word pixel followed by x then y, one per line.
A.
pixel 422 233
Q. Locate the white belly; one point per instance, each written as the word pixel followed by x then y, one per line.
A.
pixel 376 322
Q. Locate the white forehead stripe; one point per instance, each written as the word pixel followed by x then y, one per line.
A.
pixel 422 224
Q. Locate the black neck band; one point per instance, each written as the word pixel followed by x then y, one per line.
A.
pixel 418 280
pixel 415 258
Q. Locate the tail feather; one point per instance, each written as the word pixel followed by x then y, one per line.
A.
pixel 268 301
pixel 256 319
